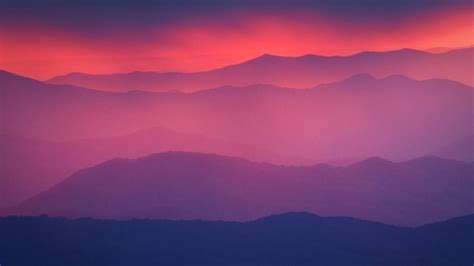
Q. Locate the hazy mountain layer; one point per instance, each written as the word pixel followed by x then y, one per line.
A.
pixel 395 117
pixel 178 185
pixel 296 72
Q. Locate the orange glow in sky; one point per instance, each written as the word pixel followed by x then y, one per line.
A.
pixel 43 51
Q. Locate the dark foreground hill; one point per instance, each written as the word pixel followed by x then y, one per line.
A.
pixel 181 185
pixel 287 239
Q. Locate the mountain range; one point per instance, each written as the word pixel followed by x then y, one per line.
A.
pixel 295 72
pixel 179 185
pixel 29 166
pixel 285 239
pixel 395 117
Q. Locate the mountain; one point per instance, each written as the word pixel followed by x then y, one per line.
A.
pixel 285 239
pixel 296 72
pixel 394 117
pixel 34 109
pixel 29 166
pixel 178 185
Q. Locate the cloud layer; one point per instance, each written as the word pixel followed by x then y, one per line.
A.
pixel 46 38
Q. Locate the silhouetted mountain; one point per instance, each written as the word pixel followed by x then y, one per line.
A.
pixel 286 239
pixel 21 85
pixel 394 117
pixel 298 72
pixel 179 185
pixel 31 166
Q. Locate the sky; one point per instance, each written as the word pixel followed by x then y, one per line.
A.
pixel 45 38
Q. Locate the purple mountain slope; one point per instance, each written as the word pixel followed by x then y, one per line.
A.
pixel 179 185
pixel 30 166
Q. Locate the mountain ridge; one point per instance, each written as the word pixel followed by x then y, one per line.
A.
pixel 29 165
pixel 357 77
pixel 265 117
pixel 296 72
pixel 181 185
pixel 284 239
pixel 266 56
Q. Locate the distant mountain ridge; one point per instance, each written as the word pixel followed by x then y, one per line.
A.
pixel 284 239
pixel 178 185
pixel 293 72
pixel 394 117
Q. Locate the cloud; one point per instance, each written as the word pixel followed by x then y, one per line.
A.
pixel 101 36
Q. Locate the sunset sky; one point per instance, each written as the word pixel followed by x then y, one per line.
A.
pixel 44 38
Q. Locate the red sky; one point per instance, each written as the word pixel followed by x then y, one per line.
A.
pixel 42 44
